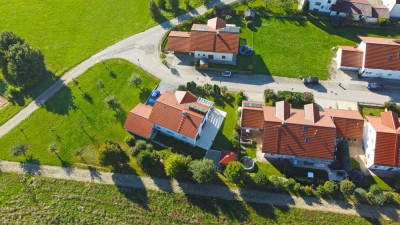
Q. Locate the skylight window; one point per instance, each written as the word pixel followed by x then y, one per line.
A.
pixel 307 140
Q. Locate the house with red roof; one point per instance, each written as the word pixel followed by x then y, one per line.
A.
pixel 306 133
pixel 180 115
pixel 360 10
pixel 215 41
pixel 373 57
pixel 382 142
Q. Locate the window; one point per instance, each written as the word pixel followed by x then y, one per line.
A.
pixel 223 57
pixel 210 57
pixel 204 54
pixel 322 7
pixel 198 54
pixel 389 74
pixel 318 3
pixel 329 1
pixel 305 128
pixel 307 140
pixel 390 58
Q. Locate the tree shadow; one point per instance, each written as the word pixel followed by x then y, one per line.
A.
pixel 31 166
pixel 120 115
pixel 61 103
pixel 144 94
pixel 94 173
pixel 112 74
pixel 88 98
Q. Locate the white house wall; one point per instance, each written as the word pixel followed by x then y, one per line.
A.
pixel 395 13
pixel 228 57
pixel 339 58
pixel 379 73
pixel 389 4
pixel 369 141
pixel 321 5
pixel 174 134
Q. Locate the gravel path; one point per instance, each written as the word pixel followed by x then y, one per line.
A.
pixel 213 191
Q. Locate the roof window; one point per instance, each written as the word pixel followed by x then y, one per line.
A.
pixel 307 140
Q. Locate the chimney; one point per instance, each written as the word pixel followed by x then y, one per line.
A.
pixel 311 112
pixel 184 113
pixel 282 110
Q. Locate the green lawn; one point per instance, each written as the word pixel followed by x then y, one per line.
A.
pixel 370 110
pixel 76 117
pixel 50 201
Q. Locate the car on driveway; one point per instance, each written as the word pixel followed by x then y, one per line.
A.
pixel 226 73
pixel 375 86
pixel 310 81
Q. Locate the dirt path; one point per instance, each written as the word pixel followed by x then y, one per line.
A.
pixel 213 191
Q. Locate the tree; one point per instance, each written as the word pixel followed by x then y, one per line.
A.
pixel 224 90
pixel 347 187
pixel 100 84
pixel 269 94
pixel 111 102
pixel 19 149
pixel 203 171
pixel 111 154
pixel 330 187
pixel 173 5
pixel 360 194
pixel 191 85
pixel 139 146
pixel 130 140
pixel 307 97
pixel 148 159
pixel 7 39
pixel 392 106
pixel 261 180
pixel 208 88
pixel 320 190
pixel 53 148
pixel 235 172
pixel 239 98
pixel 162 4
pixel 177 165
pixel 25 65
pixel 154 10
pixel 134 80
pixel 216 89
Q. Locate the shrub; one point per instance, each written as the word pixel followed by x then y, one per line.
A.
pixel 307 190
pixel 111 154
pixel 139 146
pixel 320 191
pixel 235 172
pixel 162 55
pixel 289 184
pixel 275 181
pixel 388 197
pixel 203 171
pixel 19 149
pixel 235 143
pixel 149 147
pixel 216 89
pixel 360 194
pixel 130 140
pixel 164 61
pixel 347 187
pixel 134 80
pixel 181 87
pixel 12 92
pixel 330 187
pixel 269 94
pixel 375 189
pixel 191 85
pixel 177 165
pixel 307 97
pixel 53 148
pixel 260 180
pixel 208 88
pixel 147 159
pixel 224 90
pixel 239 98
pixel 392 106
pixel 297 187
pixel 111 102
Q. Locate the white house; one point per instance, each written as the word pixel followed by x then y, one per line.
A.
pixel 321 5
pixel 360 10
pixel 393 6
pixel 373 57
pixel 215 41
pixel 382 142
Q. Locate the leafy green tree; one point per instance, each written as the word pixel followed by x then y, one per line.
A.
pixel 111 102
pixel 203 171
pixel 330 187
pixel 360 194
pixel 269 94
pixel 53 148
pixel 111 154
pixel 235 172
pixel 260 179
pixel 7 39
pixel 25 65
pixel 154 10
pixel 307 97
pixel 347 187
pixel 148 159
pixel 139 146
pixel 130 140
pixel 135 80
pixel 177 165
pixel 239 98
pixel 19 149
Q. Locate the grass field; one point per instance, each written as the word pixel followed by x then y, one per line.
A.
pixel 50 201
pixel 76 117
pixel 370 111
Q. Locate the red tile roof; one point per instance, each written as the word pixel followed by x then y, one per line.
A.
pixel 252 117
pixel 179 41
pixel 349 123
pixel 137 121
pixel 351 56
pixel 227 157
pixel 379 51
pixel 216 23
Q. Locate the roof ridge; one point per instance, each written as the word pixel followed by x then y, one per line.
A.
pixel 181 123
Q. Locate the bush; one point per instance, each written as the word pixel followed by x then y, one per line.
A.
pixel 239 98
pixel 235 172
pixel 320 191
pixel 12 92
pixel 360 194
pixel 139 146
pixel 347 187
pixel 392 106
pixel 111 102
pixel 164 61
pixel 307 190
pixel 134 80
pixel 19 149
pixel 216 89
pixel 191 85
pixel 269 94
pixel 111 154
pixel 275 181
pixel 307 97
pixel 388 197
pixel 130 140
pixel 235 143
pixel 330 187
pixel 148 159
pixel 297 187
pixel 177 165
pixel 162 55
pixel 375 189
pixel 203 171
pixel 181 87
pixel 260 180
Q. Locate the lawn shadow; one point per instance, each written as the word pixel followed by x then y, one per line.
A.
pixel 112 74
pixel 221 142
pixel 130 185
pixel 87 97
pixel 372 213
pixel 120 115
pixel 31 166
pixel 144 94
pixel 60 103
pixel 94 173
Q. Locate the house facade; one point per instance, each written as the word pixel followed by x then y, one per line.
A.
pixel 382 142
pixel 360 10
pixel 180 115
pixel 215 41
pixel 373 57
pixel 393 6
pixel 309 134
pixel 323 6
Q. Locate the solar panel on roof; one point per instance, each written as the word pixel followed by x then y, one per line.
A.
pixel 197 109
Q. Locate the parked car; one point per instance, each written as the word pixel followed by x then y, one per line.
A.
pixel 375 86
pixel 226 73
pixel 310 81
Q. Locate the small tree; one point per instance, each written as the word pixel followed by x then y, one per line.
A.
pixel 19 149
pixel 261 180
pixel 269 94
pixel 208 88
pixel 154 10
pixel 53 148
pixel 181 87
pixel 130 140
pixel 203 171
pixel 307 97
pixel 148 159
pixel 330 187
pixel 100 84
pixel 239 98
pixel 360 194
pixel 139 146
pixel 162 4
pixel 275 181
pixel 216 89
pixel 347 187
pixel 134 80
pixel 224 90
pixel 177 165
pixel 191 85
pixel 111 102
pixel 392 106
pixel 320 191
pixel 111 154
pixel 235 172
